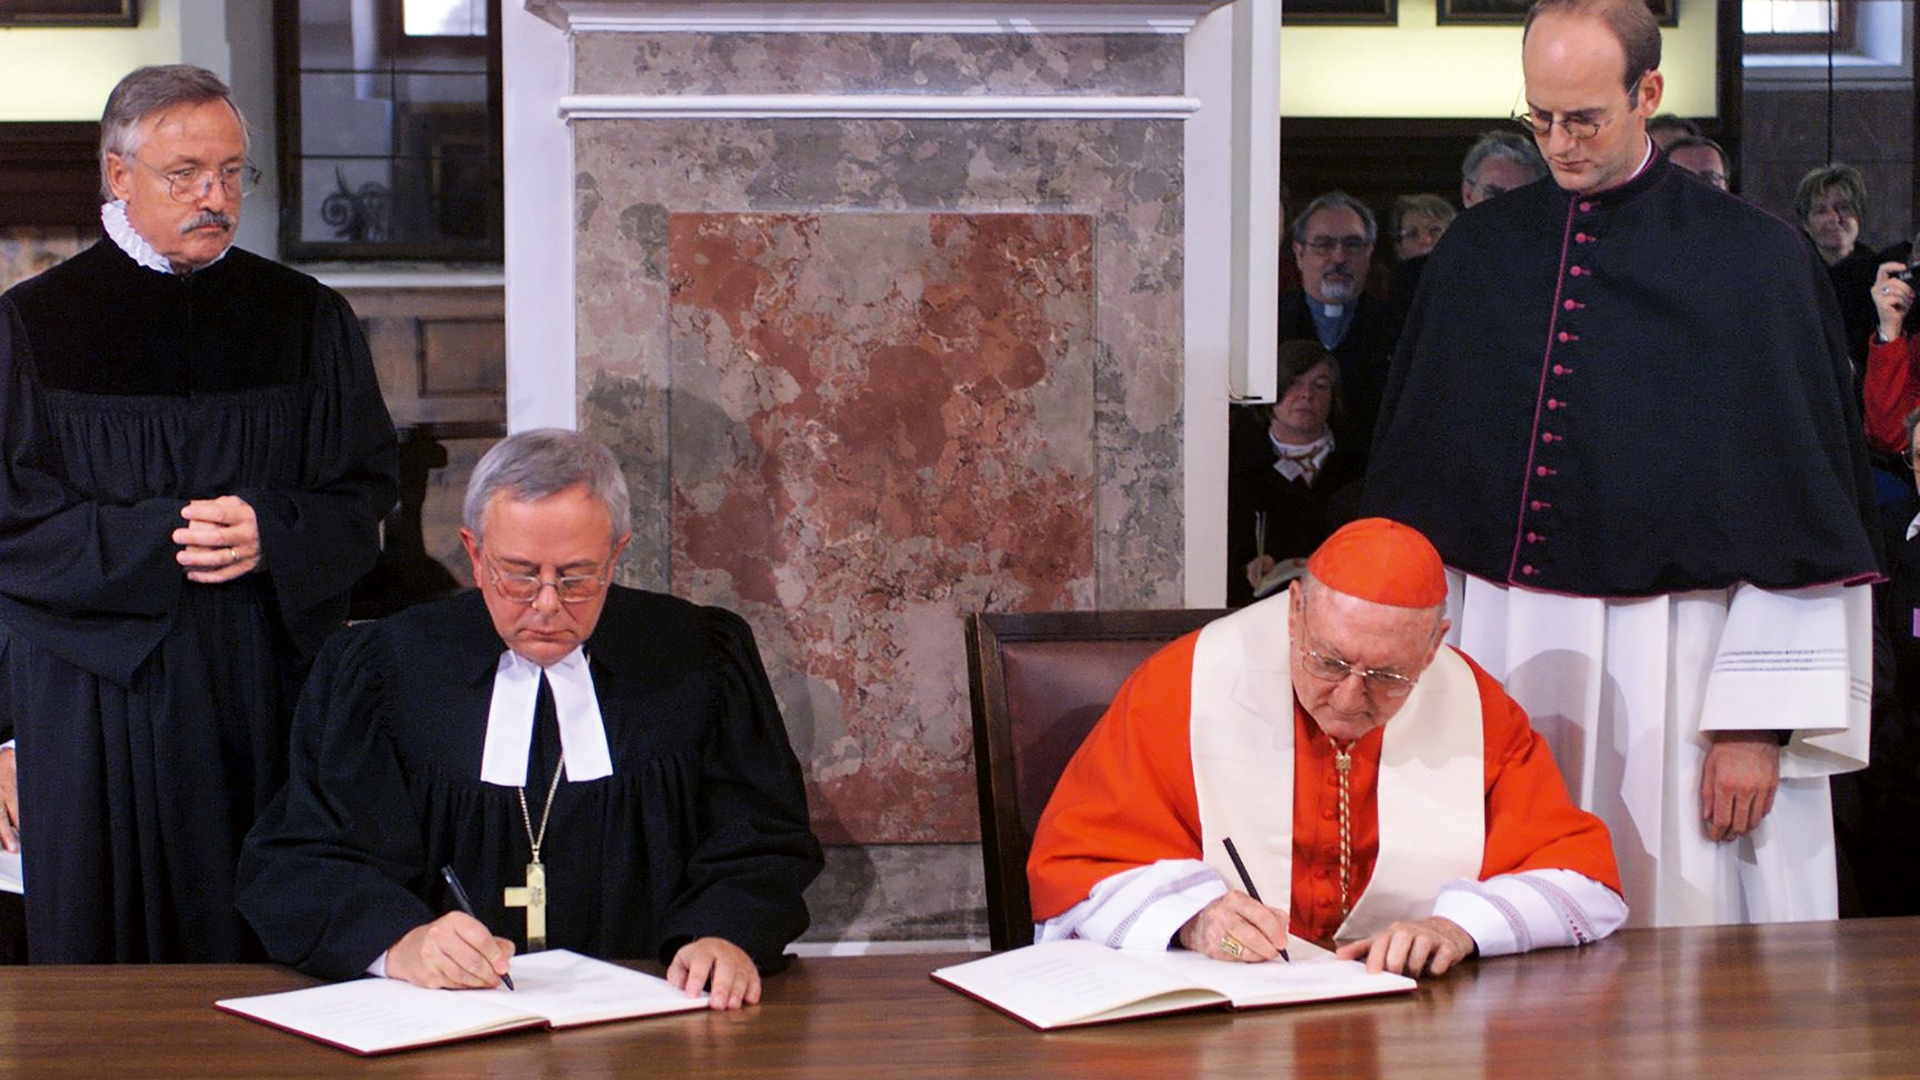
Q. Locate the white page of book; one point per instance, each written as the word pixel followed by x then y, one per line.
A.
pixel 1059 982
pixel 1313 975
pixel 568 988
pixel 370 1015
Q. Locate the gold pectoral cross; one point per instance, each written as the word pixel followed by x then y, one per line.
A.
pixel 534 898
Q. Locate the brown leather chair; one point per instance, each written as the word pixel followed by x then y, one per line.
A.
pixel 1039 682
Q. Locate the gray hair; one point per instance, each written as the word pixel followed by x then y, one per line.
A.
pixel 546 461
pixel 1506 145
pixel 1332 200
pixel 154 89
pixel 1430 205
pixel 1843 178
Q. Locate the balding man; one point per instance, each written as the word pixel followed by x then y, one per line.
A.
pixel 1382 792
pixel 1590 374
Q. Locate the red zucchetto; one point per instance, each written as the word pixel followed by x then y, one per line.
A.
pixel 1382 561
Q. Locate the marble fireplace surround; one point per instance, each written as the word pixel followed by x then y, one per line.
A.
pixel 890 312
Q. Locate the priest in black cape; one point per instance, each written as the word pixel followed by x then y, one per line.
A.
pixel 634 750
pixel 1622 410
pixel 194 457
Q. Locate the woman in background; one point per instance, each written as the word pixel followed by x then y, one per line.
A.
pixel 1288 485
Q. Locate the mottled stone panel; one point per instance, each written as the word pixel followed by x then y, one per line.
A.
pixel 881 422
pixel 899 892
pixel 756 63
pixel 1125 174
pixel 635 177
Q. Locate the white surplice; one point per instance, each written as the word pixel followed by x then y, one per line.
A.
pixel 1623 691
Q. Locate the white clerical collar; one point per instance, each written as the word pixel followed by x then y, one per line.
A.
pixel 583 733
pixel 1327 311
pixel 1645 160
pixel 113 218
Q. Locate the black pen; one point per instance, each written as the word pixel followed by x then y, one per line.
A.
pixel 466 905
pixel 1245 879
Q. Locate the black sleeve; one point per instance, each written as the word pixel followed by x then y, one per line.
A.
pixel 320 538
pixel 95 582
pixel 324 876
pixel 756 852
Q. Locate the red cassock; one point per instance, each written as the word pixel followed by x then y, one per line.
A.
pixel 1127 799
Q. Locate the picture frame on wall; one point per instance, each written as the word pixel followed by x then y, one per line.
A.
pixel 1514 12
pixel 69 13
pixel 1340 13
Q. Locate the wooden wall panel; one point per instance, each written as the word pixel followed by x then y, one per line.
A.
pixel 49 174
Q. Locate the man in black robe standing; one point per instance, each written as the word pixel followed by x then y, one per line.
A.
pixel 1333 246
pixel 194 457
pixel 603 769
pixel 1622 410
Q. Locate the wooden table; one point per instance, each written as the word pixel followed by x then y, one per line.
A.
pixel 1812 1000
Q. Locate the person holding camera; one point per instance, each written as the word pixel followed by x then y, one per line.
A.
pixel 1891 388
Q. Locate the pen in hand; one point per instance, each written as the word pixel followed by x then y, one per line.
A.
pixel 1247 880
pixel 466 905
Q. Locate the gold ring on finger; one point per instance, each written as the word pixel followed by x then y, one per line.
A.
pixel 1231 946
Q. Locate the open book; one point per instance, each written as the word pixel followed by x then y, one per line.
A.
pixel 556 988
pixel 1067 983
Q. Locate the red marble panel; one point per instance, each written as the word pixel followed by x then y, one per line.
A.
pixel 880 422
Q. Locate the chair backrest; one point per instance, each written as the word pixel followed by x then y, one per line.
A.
pixel 1039 682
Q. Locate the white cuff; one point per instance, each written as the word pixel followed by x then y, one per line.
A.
pixel 1534 909
pixel 378 969
pixel 1141 908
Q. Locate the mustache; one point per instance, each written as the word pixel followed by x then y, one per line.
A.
pixel 207 217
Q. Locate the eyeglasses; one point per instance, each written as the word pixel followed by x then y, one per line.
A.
pixel 1420 232
pixel 189 184
pixel 1578 128
pixel 525 588
pixel 1325 245
pixel 1385 684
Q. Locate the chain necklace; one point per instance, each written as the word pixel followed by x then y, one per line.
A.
pixel 1342 763
pixel 533 895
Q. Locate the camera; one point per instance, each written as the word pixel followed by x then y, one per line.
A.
pixel 1907 274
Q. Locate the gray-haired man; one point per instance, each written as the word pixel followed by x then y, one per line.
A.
pixel 1333 246
pixel 194 457
pixel 604 769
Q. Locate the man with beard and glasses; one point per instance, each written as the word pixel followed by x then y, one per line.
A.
pixel 194 458
pixel 1333 244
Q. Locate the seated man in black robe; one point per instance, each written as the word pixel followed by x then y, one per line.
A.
pixel 604 769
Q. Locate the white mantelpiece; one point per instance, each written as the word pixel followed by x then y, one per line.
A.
pixel 1229 106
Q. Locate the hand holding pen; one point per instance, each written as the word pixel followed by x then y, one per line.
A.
pixel 466 905
pixel 453 952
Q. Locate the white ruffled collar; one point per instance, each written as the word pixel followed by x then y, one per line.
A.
pixel 113 218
